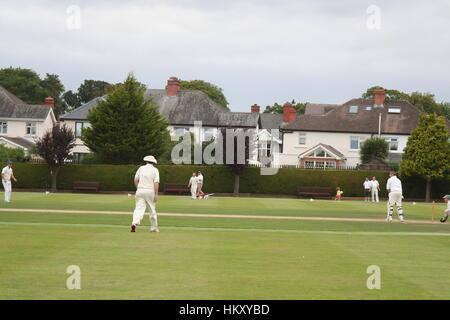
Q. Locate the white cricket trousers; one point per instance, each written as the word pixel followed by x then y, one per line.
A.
pixel 194 192
pixel 395 198
pixel 145 197
pixel 375 195
pixel 8 190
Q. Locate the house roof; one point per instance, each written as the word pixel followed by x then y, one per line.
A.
pixel 182 109
pixel 318 108
pixel 12 107
pixel 24 143
pixel 271 120
pixel 363 121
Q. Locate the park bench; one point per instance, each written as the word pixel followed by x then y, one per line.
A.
pixel 86 186
pixel 317 192
pixel 176 187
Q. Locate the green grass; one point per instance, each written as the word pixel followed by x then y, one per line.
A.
pixel 219 258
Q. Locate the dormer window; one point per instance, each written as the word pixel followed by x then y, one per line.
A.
pixel 394 110
pixel 353 109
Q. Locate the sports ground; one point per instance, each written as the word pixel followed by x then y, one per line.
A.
pixel 220 248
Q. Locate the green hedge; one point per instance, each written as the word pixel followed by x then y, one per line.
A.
pixel 219 179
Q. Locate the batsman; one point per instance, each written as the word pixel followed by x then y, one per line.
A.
pixel 394 189
pixel 447 210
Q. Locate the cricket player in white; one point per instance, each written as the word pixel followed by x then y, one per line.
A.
pixel 7 174
pixel 146 181
pixel 199 183
pixel 447 210
pixel 193 185
pixel 375 188
pixel 367 187
pixel 394 188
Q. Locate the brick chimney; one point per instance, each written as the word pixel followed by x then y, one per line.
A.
pixel 289 113
pixel 173 85
pixel 49 102
pixel 379 97
pixel 255 108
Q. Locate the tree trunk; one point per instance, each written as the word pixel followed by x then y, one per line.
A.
pixel 54 173
pixel 236 185
pixel 428 192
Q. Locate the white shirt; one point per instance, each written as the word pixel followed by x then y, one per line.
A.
pixel 147 176
pixel 193 181
pixel 200 178
pixel 375 184
pixel 394 184
pixel 367 184
pixel 7 172
pixel 448 206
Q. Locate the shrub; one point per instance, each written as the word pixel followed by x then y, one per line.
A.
pixel 13 154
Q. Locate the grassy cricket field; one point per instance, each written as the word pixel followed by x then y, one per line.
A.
pixel 219 257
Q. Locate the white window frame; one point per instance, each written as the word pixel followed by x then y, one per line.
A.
pixel 31 128
pixel 3 127
pixel 353 109
pixel 393 142
pixel 360 142
pixel 302 137
pixel 394 110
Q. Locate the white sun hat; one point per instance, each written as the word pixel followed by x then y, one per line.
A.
pixel 150 159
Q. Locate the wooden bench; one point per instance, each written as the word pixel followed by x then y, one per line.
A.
pixel 176 187
pixel 317 192
pixel 86 186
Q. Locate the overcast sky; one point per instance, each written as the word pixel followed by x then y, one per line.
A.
pixel 257 51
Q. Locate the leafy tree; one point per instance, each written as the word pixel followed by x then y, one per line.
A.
pixel 125 126
pixel 29 87
pixel 427 150
pixel 425 102
pixel 71 99
pixel 236 165
pixel 374 148
pixel 91 89
pixel 211 90
pixel 278 108
pixel 13 154
pixel 54 147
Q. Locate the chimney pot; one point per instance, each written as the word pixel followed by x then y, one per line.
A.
pixel 49 102
pixel 289 113
pixel 379 97
pixel 255 108
pixel 173 85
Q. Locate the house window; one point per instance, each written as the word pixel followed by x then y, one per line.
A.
pixel 353 109
pixel 265 150
pixel 320 164
pixel 208 134
pixel 394 110
pixel 79 126
pixel 368 108
pixel 31 128
pixel 356 142
pixel 320 153
pixel 393 144
pixel 302 138
pixel 3 127
pixel 330 164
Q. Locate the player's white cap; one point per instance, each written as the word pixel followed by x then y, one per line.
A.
pixel 150 159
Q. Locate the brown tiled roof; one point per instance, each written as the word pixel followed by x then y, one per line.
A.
pixel 319 108
pixel 20 141
pixel 12 107
pixel 364 121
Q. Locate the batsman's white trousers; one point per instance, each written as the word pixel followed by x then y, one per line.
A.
pixel 8 190
pixel 145 197
pixel 194 191
pixel 375 195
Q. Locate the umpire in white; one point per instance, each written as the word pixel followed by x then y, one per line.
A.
pixel 394 188
pixel 146 181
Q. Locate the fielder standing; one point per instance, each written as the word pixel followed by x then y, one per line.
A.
pixel 375 189
pixel 199 183
pixel 193 185
pixel 367 187
pixel 7 174
pixel 146 181
pixel 394 189
pixel 447 210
